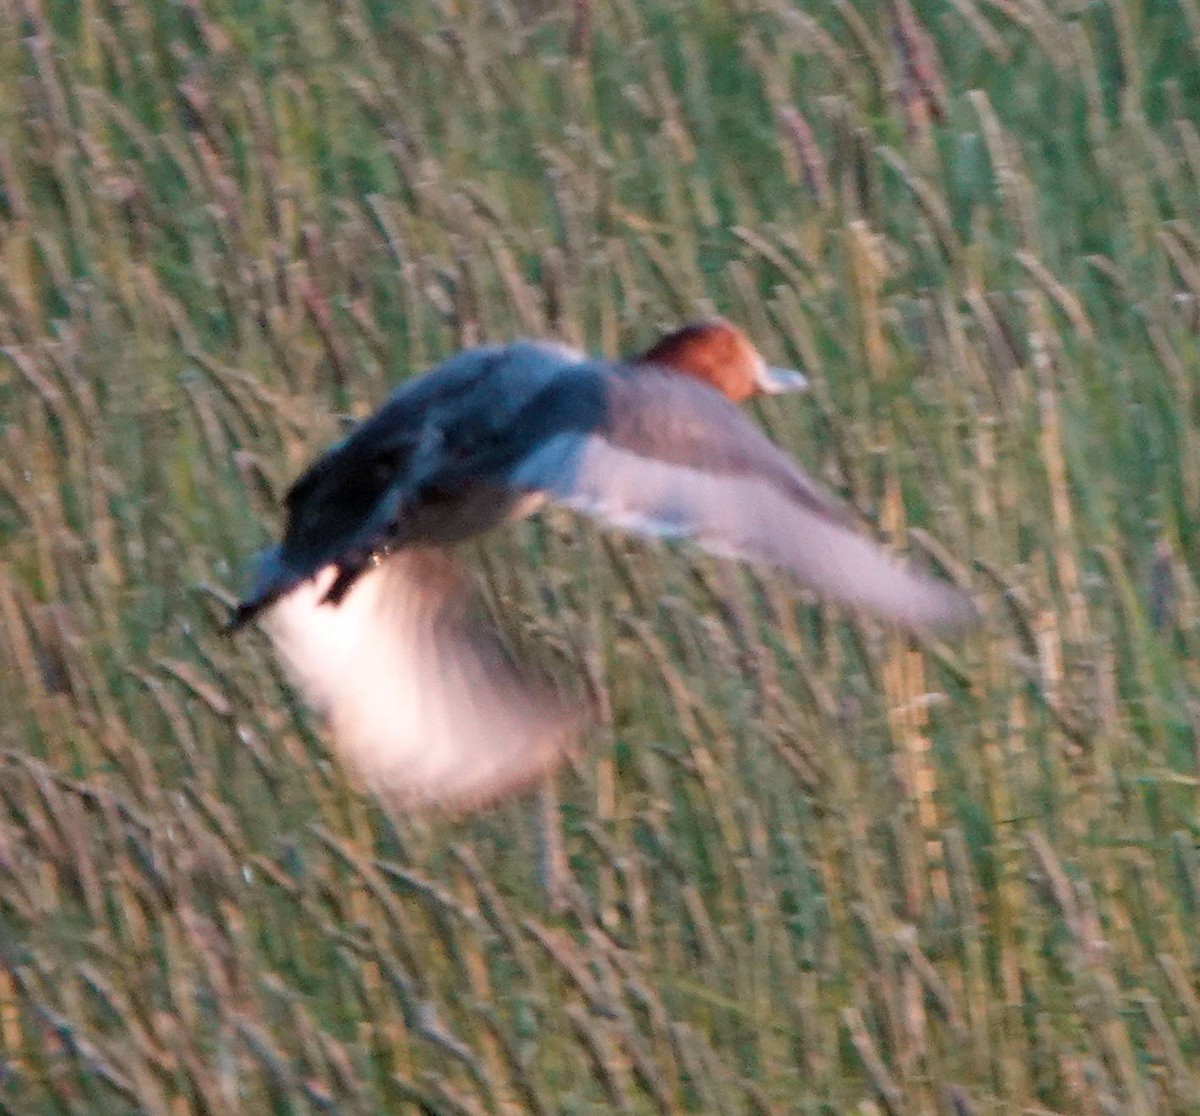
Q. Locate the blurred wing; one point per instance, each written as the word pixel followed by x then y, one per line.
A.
pixel 674 458
pixel 422 699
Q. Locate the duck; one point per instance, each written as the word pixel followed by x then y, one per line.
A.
pixel 375 618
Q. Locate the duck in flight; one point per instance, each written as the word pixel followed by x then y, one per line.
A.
pixel 372 614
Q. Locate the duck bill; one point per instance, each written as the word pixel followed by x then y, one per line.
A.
pixel 272 578
pixel 780 381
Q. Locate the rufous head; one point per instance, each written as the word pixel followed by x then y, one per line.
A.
pixel 721 355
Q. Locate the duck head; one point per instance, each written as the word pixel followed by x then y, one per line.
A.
pixel 717 352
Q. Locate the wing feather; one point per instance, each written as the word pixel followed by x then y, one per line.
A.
pixel 674 458
pixel 423 699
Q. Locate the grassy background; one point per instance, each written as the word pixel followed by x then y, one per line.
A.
pixel 817 868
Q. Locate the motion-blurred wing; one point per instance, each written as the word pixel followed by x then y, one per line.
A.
pixel 422 699
pixel 673 458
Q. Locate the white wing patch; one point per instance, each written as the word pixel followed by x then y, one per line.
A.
pixel 423 701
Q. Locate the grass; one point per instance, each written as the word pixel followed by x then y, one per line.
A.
pixel 817 868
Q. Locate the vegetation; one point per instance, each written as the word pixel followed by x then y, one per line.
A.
pixel 816 867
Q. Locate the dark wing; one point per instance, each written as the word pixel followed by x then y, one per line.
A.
pixel 429 467
pixel 422 698
pixel 671 457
